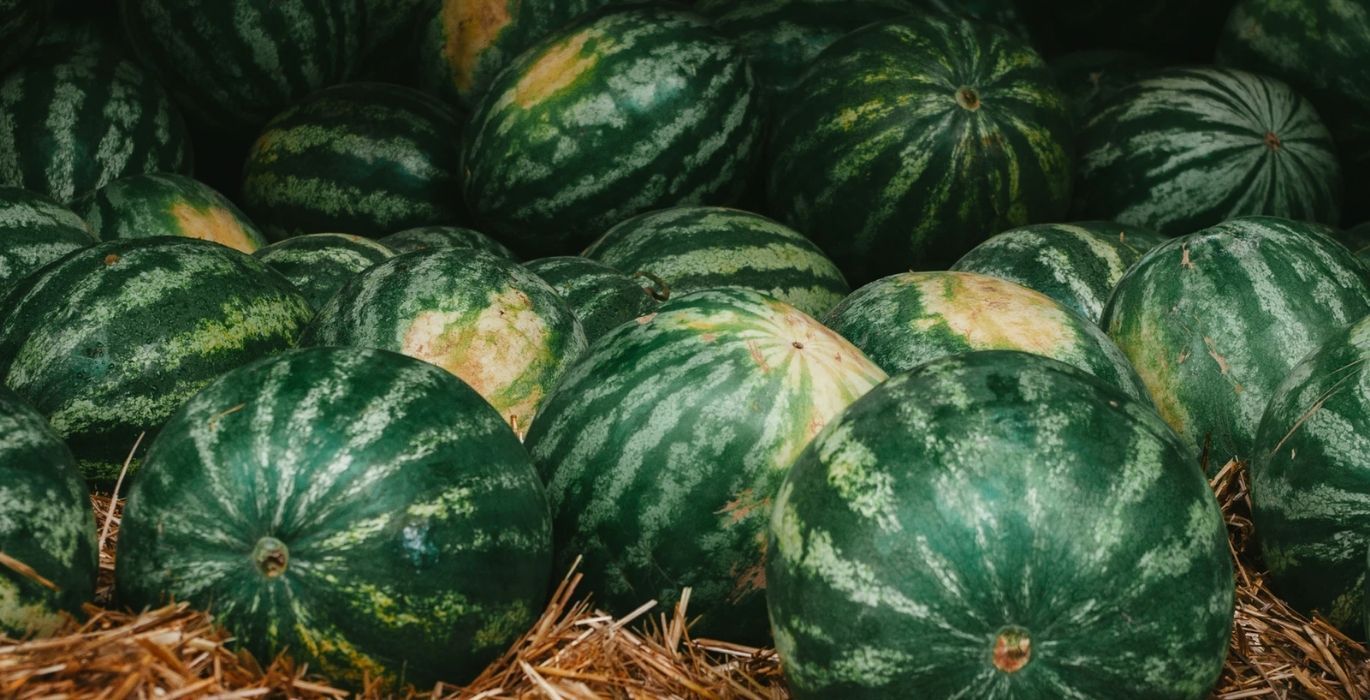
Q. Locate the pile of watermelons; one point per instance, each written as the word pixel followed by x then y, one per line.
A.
pixel 413 302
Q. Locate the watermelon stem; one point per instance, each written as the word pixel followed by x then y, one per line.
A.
pixel 968 98
pixel 271 556
pixel 1012 649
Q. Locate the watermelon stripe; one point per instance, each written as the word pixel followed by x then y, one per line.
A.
pixel 144 206
pixel 34 230
pixel 320 264
pixel 601 297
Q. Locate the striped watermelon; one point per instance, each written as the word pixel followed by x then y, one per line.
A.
pixel 1089 78
pixel 625 112
pixel 109 341
pixel 21 23
pixel 319 264
pixel 365 511
pixel 694 248
pixel 906 320
pixel 47 525
pixel 600 296
pixel 1213 321
pixel 366 158
pixel 166 204
pixel 1187 148
pixel 1310 488
pixel 663 448
pixel 73 121
pixel 34 231
pixel 1076 264
pixel 911 140
pixel 233 64
pixel 483 318
pixel 439 237
pixel 998 525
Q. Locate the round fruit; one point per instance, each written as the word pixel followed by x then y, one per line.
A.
pixel 998 525
pixel 321 263
pixel 1089 78
pixel 165 204
pixel 439 237
pixel 34 231
pixel 600 296
pixel 365 511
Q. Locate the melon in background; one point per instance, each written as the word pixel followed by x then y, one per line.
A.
pixel 21 23
pixel 320 264
pixel 166 204
pixel 1179 31
pixel 600 296
pixel 440 237
pixel 1089 78
pixel 34 231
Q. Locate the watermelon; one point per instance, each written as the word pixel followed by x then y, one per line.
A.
pixel 911 140
pixel 694 248
pixel 906 320
pixel 625 112
pixel 73 121
pixel 234 64
pixel 464 44
pixel 1089 78
pixel 600 296
pixel 321 263
pixel 663 448
pixel 109 341
pixel 1215 320
pixel 166 204
pixel 1176 30
pixel 1076 264
pixel 1187 148
pixel 998 525
pixel 367 512
pixel 34 230
pixel 47 525
pixel 21 23
pixel 366 158
pixel 438 237
pixel 1357 238
pixel 483 318
pixel 1310 482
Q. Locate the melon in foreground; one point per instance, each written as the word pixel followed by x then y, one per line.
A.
pixel 167 204
pixel 998 525
pixel 438 237
pixel 663 448
pixel 320 264
pixel 34 231
pixel 364 511
pixel 600 296
pixel 47 525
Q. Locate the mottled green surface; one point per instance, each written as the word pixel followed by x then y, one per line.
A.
pixel 108 342
pixel 914 139
pixel 34 231
pixel 165 204
pixel 321 263
pixel 600 296
pixel 73 121
pixel 1077 264
pixel 45 523
pixel 366 158
pixel 439 237
pixel 1088 78
pixel 991 492
pixel 663 448
pixel 484 318
pixel 1214 321
pixel 1357 238
pixel 21 22
pixel 1187 148
pixel 694 248
pixel 415 532
pixel 905 320
pixel 625 112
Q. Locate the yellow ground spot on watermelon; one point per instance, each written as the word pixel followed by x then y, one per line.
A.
pixel 35 617
pixel 555 70
pixel 469 28
pixel 1158 373
pixel 994 314
pixel 383 609
pixel 335 657
pixel 214 224
pixel 503 626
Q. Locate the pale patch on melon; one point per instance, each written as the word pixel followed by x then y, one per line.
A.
pixel 333 655
pixel 470 28
pixel 36 618
pixel 555 70
pixel 994 314
pixel 214 224
pixel 1158 371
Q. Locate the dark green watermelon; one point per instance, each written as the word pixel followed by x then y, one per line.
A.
pixel 366 158
pixel 1089 78
pixel 166 204
pixel 911 140
pixel 998 525
pixel 1357 238
pixel 600 296
pixel 34 231
pixel 1182 31
pixel 109 341
pixel 319 264
pixel 366 512
pixel 21 23
pixel 46 525
pixel 439 237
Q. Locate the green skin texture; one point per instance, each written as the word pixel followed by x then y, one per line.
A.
pixel 416 532
pixel 322 263
pixel 34 231
pixel 484 318
pixel 903 321
pixel 1215 320
pixel 653 109
pixel 987 491
pixel 366 158
pixel 694 248
pixel 1188 148
pixel 1310 484
pixel 74 121
pixel 108 342
pixel 1077 264
pixel 47 524
pixel 663 448
pixel 600 296
pixel 233 64
pixel 1357 238
pixel 1088 78
pixel 440 237
pixel 21 22
pixel 876 160
pixel 166 204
